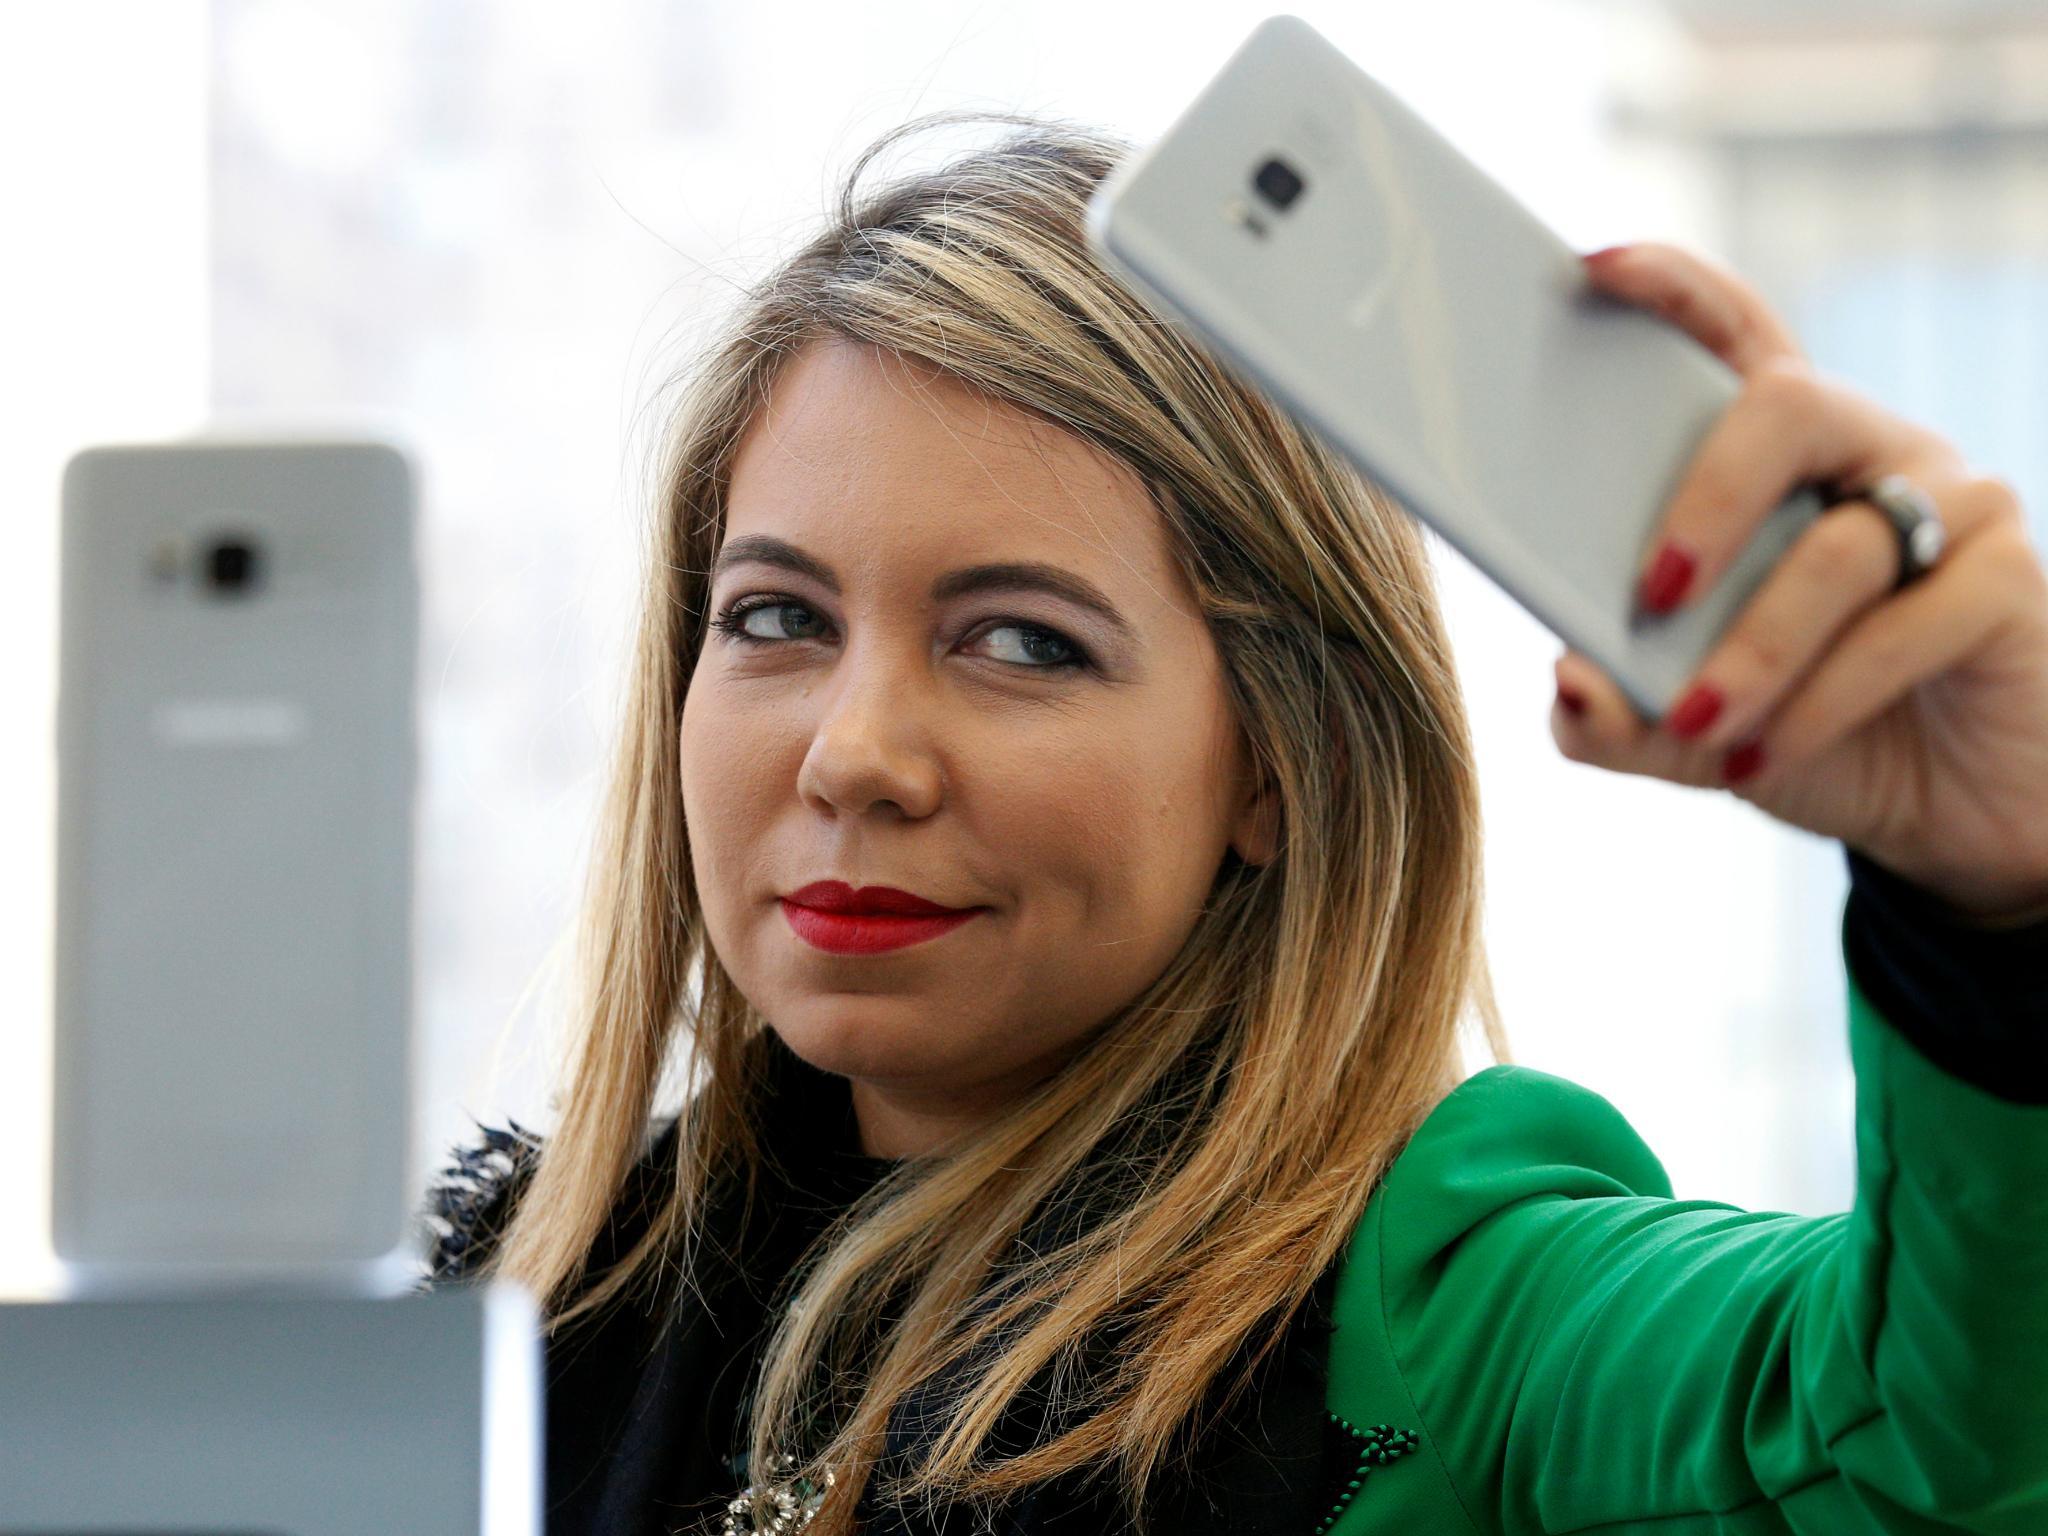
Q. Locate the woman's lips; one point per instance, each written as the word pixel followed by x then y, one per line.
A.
pixel 867 933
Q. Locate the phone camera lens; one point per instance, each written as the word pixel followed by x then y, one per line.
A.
pixel 231 565
pixel 1278 183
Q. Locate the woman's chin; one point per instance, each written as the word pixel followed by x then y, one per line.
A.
pixel 876 1047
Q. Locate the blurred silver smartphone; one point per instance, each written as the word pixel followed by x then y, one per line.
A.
pixel 1322 238
pixel 235 769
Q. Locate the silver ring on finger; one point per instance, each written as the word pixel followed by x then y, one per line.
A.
pixel 1914 518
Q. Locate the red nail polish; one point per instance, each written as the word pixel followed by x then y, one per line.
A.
pixel 1695 712
pixel 1573 701
pixel 1742 761
pixel 1668 577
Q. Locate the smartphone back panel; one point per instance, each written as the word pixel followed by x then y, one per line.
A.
pixel 234 852
pixel 1408 309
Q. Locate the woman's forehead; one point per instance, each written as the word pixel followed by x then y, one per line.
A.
pixel 885 459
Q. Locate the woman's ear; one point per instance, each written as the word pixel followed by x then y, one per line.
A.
pixel 1255 830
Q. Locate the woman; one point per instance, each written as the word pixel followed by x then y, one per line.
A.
pixel 1134 1181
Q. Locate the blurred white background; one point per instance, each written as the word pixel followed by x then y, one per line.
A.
pixel 492 229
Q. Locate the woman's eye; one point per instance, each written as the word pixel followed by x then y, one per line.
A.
pixel 1037 643
pixel 1036 648
pixel 734 620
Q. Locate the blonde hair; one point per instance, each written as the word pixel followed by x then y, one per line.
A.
pixel 1305 1029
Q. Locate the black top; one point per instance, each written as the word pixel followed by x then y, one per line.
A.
pixel 1974 1001
pixel 645 1413
pixel 645 1404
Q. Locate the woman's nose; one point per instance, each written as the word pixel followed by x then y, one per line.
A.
pixel 874 735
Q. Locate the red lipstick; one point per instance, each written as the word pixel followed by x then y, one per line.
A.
pixel 833 916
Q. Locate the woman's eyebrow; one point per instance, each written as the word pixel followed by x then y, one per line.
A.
pixel 1004 576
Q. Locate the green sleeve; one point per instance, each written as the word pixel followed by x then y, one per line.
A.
pixel 1585 1353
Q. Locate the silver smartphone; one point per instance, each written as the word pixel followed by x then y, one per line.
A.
pixel 235 769
pixel 1322 238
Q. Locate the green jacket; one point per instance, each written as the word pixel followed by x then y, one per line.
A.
pixel 1527 1334
pixel 1545 1341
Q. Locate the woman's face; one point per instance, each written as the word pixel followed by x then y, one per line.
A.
pixel 887 717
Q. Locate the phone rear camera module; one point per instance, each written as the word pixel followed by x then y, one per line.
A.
pixel 1278 183
pixel 231 565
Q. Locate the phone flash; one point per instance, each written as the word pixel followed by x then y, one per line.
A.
pixel 1241 213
